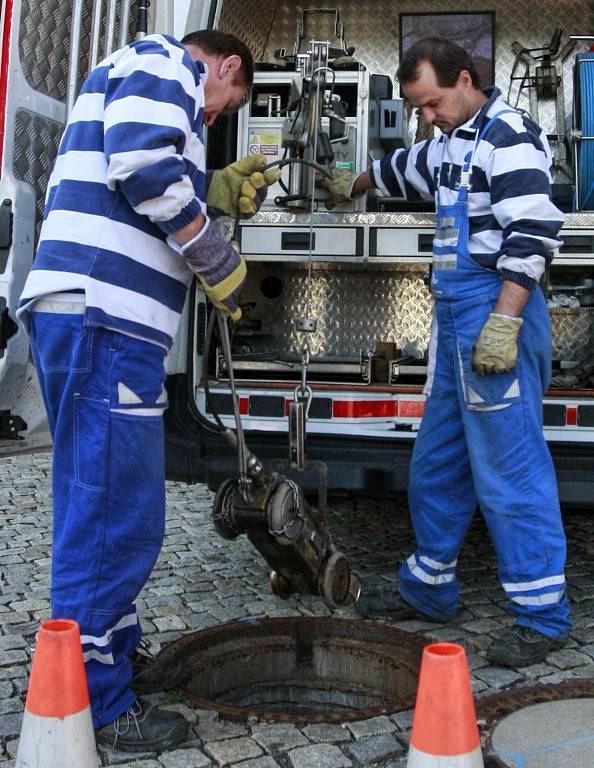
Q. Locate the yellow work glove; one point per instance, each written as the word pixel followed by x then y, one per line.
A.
pixel 496 350
pixel 340 188
pixel 240 189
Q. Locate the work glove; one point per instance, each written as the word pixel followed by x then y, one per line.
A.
pixel 218 266
pixel 340 188
pixel 496 350
pixel 240 189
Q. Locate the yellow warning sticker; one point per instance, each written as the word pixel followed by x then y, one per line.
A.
pixel 266 143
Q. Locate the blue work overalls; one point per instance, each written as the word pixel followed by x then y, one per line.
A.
pixel 104 396
pixel 481 441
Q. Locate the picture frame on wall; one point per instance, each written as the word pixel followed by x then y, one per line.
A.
pixel 472 30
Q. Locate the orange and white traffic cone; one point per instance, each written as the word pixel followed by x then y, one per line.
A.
pixel 444 733
pixel 57 728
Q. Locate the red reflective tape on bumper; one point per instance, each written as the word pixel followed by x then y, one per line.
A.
pixel 411 408
pixel 571 417
pixel 361 409
pixel 244 406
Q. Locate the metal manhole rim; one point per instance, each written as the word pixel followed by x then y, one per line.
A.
pixel 494 708
pixel 385 635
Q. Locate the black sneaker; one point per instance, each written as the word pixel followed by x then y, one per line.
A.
pixel 153 674
pixel 522 646
pixel 385 601
pixel 144 728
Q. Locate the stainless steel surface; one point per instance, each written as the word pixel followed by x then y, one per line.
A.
pixel 373 28
pixel 44 41
pixel 583 219
pixel 110 23
pixel 354 308
pixel 573 332
pixel 74 59
pixel 95 33
pixel 124 36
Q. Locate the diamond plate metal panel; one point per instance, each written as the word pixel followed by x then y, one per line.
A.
pixel 354 308
pixel 573 332
pixel 36 142
pixel 373 28
pixel 251 22
pixel 44 43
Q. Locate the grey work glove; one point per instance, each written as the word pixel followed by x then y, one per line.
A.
pixel 496 350
pixel 240 188
pixel 340 188
pixel 218 266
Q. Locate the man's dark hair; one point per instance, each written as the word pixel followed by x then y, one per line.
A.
pixel 446 58
pixel 218 43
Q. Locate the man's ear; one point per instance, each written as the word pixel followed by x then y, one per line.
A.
pixel 230 66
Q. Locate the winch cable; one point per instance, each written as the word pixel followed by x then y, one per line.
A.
pixel 586 152
pixel 235 439
pixel 298 161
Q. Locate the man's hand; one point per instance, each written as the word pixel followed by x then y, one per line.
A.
pixel 240 189
pixel 496 350
pixel 340 188
pixel 218 266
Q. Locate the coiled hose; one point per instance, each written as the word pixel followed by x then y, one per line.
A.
pixel 585 151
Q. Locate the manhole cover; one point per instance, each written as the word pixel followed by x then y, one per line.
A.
pixel 550 726
pixel 300 670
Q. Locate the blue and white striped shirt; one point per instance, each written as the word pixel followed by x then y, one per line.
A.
pixel 513 222
pixel 130 170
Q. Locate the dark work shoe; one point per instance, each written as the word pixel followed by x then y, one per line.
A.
pixel 153 674
pixel 144 728
pixel 522 646
pixel 384 601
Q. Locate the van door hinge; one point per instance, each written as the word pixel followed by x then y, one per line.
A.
pixel 10 426
pixel 6 219
pixel 8 327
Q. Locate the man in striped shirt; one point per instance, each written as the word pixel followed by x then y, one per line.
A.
pixel 127 225
pixel 481 439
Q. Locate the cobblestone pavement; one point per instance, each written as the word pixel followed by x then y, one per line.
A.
pixel 201 580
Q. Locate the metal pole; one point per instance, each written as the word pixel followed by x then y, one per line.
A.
pixel 95 34
pixel 110 22
pixel 124 22
pixel 73 64
pixel 142 18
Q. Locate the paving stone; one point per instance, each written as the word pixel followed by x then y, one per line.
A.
pixel 232 750
pixel 327 732
pixel 10 725
pixel 371 727
pixel 10 705
pixel 185 758
pixel 567 659
pixel 217 730
pixel 278 738
pixel 10 658
pixel 374 750
pixel 318 756
pixel 497 677
pixel 259 762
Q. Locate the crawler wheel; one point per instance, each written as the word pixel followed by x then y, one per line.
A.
pixel 280 586
pixel 336 581
pixel 223 513
pixel 285 513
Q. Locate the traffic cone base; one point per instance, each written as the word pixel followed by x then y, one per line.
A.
pixel 54 741
pixel 418 759
pixel 57 727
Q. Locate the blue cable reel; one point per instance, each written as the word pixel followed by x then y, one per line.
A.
pixel 584 122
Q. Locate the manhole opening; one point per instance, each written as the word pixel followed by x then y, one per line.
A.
pixel 300 670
